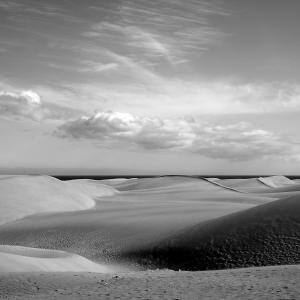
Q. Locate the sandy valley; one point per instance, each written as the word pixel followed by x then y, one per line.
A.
pixel 170 237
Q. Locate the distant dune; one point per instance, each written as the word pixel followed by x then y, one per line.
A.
pixel 265 235
pixel 23 259
pixel 255 185
pixel 116 181
pixel 249 185
pixel 21 196
pixel 153 183
pixel 276 181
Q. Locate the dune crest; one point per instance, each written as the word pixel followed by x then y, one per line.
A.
pixel 248 185
pixel 138 184
pixel 25 259
pixel 21 196
pixel 276 181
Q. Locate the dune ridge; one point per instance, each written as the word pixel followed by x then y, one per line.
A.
pixel 129 219
pixel 267 234
pixel 25 259
pixel 218 182
pixel 21 196
pixel 249 185
pixel 151 183
pixel 276 181
pixel 152 221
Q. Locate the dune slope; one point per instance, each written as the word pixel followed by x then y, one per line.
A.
pixel 268 234
pixel 249 185
pixel 276 181
pixel 128 220
pixel 21 196
pixel 24 259
pixel 138 184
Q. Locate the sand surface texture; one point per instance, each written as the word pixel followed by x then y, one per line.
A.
pixel 24 259
pixel 141 213
pixel 254 283
pixel 174 222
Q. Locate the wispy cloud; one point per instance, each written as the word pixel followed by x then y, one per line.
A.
pixel 233 142
pixel 169 98
pixel 91 66
pixel 161 29
pixel 9 5
pixel 133 37
pixel 86 66
pixel 35 8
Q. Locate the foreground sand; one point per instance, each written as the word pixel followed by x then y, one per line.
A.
pixel 254 283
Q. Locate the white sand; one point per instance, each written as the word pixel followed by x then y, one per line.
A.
pixel 276 181
pixel 25 259
pixel 280 282
pixel 95 220
pixel 147 210
pixel 143 210
pixel 249 185
pixel 135 184
pixel 21 196
pixel 116 181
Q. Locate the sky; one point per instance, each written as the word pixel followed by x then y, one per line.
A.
pixel 150 87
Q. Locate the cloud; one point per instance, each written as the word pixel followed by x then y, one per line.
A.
pixel 37 8
pixel 27 104
pixel 24 103
pixel 91 66
pixel 9 5
pixel 134 37
pixel 165 29
pixel 154 95
pixel 115 127
pixel 239 142
pixel 232 142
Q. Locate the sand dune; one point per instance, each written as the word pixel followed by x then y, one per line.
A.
pixel 183 187
pixel 218 182
pixel 129 220
pixel 256 185
pixel 276 181
pixel 249 185
pixel 92 188
pixel 283 191
pixel 105 233
pixel 154 183
pixel 116 181
pixel 24 259
pixel 115 224
pixel 265 235
pixel 21 196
